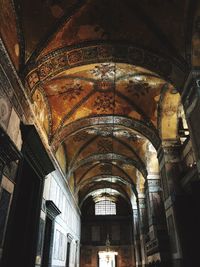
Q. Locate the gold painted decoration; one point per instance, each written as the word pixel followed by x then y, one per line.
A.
pixel 41 110
pixel 103 90
pixel 104 103
pixel 9 31
pixel 99 76
pixel 169 115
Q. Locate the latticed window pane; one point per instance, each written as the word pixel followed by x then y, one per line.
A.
pixel 105 207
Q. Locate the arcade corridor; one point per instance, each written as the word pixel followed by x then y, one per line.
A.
pixel 99 133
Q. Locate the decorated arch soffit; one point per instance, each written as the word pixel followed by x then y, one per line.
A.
pixel 103 170
pixel 115 20
pixel 112 182
pixel 105 191
pixel 107 140
pixel 108 164
pixel 103 178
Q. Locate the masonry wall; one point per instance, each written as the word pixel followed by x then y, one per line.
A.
pixel 66 224
pixel 10 126
pixel 96 230
pixel 14 109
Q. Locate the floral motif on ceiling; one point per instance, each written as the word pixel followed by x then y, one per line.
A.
pixel 138 88
pixel 105 103
pixel 69 84
pixel 62 60
pixel 104 71
pixel 71 91
pixel 76 94
pixel 105 90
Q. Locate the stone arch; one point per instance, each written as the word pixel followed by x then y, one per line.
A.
pixel 135 125
pixel 109 157
pixel 101 52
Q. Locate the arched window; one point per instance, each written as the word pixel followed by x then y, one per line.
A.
pixel 105 207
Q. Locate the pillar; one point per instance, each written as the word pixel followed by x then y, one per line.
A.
pixel 157 245
pixel 190 97
pixel 179 209
pixel 191 102
pixel 136 233
pixel 141 202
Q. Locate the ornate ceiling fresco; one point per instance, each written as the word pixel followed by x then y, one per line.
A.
pixel 40 17
pixel 108 20
pixel 97 89
pixel 9 31
pixel 103 78
pixel 100 118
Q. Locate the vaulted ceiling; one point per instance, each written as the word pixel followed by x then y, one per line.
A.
pixel 104 79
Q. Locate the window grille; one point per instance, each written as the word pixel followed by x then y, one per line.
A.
pixel 105 207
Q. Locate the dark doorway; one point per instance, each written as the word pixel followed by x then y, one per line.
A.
pixel 116 260
pixel 68 254
pixel 21 240
pixel 46 255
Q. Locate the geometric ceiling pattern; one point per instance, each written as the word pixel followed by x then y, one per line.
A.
pixel 103 78
pixel 99 119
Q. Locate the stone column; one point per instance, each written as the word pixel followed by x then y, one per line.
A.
pixel 157 245
pixel 174 198
pixel 191 102
pixel 141 201
pixel 9 158
pixel 136 234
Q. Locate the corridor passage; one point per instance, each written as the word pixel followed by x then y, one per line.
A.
pixel 99 133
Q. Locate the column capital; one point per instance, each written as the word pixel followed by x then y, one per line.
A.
pixel 153 176
pixel 141 201
pixel 135 213
pixel 135 207
pixel 140 196
pixel 169 152
pixel 153 185
pixel 174 143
